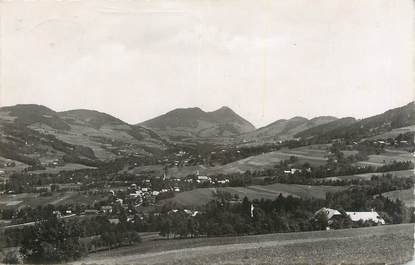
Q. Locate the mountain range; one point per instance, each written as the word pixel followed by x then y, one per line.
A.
pixel 285 129
pixel 34 133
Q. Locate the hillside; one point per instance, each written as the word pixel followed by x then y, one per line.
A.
pixel 35 134
pixel 285 129
pixel 327 127
pixel 194 122
pixel 390 244
pixel 354 129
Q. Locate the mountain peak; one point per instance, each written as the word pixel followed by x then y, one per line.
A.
pixel 224 108
pixel 196 122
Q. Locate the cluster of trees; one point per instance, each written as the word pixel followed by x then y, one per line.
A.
pixel 361 199
pixel 224 216
pixel 55 240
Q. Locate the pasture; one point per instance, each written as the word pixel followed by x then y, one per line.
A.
pixel 387 157
pixel 367 176
pixel 315 155
pixel 390 244
pixel 201 196
pixel 57 198
pixel 406 196
pixel 66 167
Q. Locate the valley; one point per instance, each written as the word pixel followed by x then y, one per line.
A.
pixel 206 179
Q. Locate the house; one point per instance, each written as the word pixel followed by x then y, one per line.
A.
pixel 365 217
pixel 224 181
pixel 292 171
pixel 202 179
pixel 106 209
pixel 332 214
pixel 58 214
pixel 329 212
pixel 91 212
pixel 176 189
pixel 155 193
pixel 114 221
pixel 190 212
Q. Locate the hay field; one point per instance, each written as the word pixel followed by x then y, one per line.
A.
pixel 367 176
pixel 315 155
pixel 57 198
pixel 390 244
pixel 201 196
pixel 406 196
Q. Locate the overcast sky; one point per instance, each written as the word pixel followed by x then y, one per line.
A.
pixel 265 59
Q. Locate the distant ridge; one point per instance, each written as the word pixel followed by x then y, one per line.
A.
pixel 351 128
pixel 285 129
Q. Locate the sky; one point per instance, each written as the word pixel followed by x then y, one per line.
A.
pixel 267 60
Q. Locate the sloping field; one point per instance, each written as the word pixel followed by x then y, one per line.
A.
pixel 314 154
pixel 66 167
pixel 392 244
pixel 395 132
pixel 198 197
pixel 406 196
pixel 57 198
pixel 386 158
pixel 303 191
pixel 367 176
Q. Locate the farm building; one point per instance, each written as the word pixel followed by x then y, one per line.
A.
pixel 329 212
pixel 332 214
pixel 366 216
pixel 106 209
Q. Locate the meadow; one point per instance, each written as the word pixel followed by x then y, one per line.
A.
pixel 201 196
pixel 391 244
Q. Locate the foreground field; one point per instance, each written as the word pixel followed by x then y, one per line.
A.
pixel 201 196
pixel 384 245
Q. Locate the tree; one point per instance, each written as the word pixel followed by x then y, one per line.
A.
pixel 321 221
pixel 52 240
pixel 12 257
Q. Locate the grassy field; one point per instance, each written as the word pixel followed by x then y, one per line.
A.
pixel 386 158
pixel 201 196
pixel 395 132
pixel 66 167
pixel 315 155
pixel 392 244
pixel 406 196
pixel 57 198
pixel 367 176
